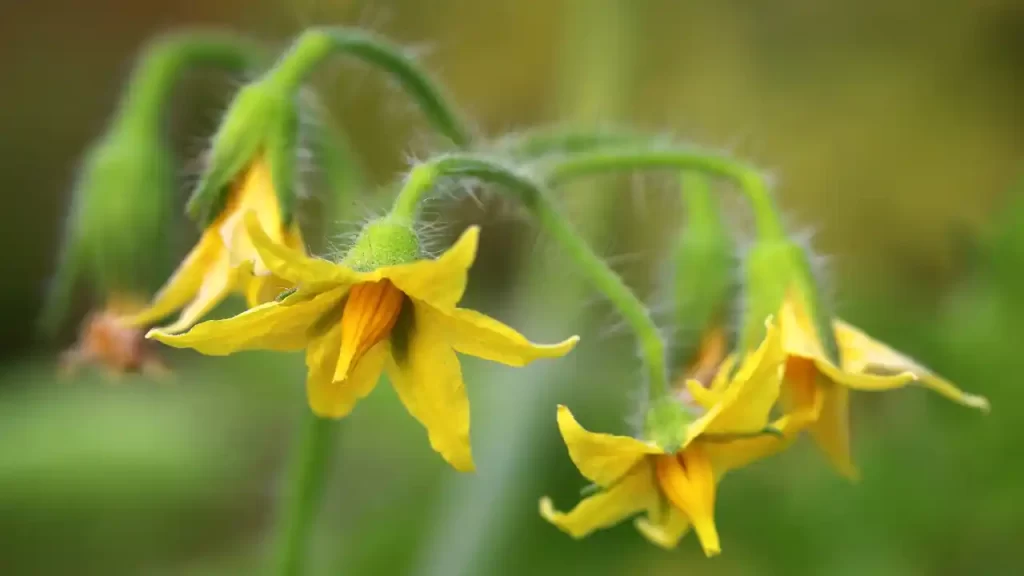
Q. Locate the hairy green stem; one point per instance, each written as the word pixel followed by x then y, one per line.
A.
pixel 315 45
pixel 749 179
pixel 543 143
pixel 307 475
pixel 532 195
pixel 162 62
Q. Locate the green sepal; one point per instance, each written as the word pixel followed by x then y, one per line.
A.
pixel 387 241
pixel 259 114
pixel 116 238
pixel 704 268
pixel 666 423
pixel 774 269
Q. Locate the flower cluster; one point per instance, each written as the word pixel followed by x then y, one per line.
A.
pixel 385 308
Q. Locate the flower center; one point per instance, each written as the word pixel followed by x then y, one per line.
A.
pixel 688 481
pixel 370 313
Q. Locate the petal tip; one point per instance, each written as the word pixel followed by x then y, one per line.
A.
pixel 977 402
pixel 547 509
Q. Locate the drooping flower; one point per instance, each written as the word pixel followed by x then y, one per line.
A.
pixel 819 387
pixel 106 341
pixel 224 260
pixel 384 308
pixel 676 489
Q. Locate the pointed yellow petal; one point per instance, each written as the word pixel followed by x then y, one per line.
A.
pixel 688 481
pixel 330 398
pixel 745 404
pixel 184 283
pixel 292 265
pixel 217 284
pixel 831 431
pixel 602 458
pixel 439 282
pixel 864 355
pixel 668 531
pixel 271 326
pixel 426 374
pixel 475 334
pixel 634 493
pixel 724 374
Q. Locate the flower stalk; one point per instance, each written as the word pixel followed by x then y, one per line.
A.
pixel 307 476
pixel 164 60
pixel 748 178
pixel 315 45
pixel 533 195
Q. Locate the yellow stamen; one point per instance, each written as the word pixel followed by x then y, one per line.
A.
pixel 370 313
pixel 688 482
pixel 801 380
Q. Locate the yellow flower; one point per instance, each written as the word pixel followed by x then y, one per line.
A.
pixel 401 319
pixel 225 260
pixel 677 490
pixel 819 389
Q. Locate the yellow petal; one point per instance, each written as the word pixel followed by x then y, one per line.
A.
pixel 271 326
pixel 426 374
pixel 864 355
pixel 740 452
pixel 262 289
pixel 439 282
pixel 745 404
pixel 666 533
pixel 475 334
pixel 329 398
pixel 602 458
pixel 831 431
pixel 688 481
pixel 184 284
pixel 713 350
pixel 634 493
pixel 707 396
pixel 217 284
pixel 292 265
pixel 799 335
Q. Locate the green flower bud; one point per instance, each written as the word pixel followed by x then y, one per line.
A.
pixel 666 423
pixel 117 233
pixel 262 119
pixel 384 242
pixel 704 269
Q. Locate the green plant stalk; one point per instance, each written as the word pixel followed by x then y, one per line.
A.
pixel 307 476
pixel 315 45
pixel 538 144
pixel 531 194
pixel 162 62
pixel 766 216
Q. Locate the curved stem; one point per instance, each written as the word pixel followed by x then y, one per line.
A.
pixel 749 179
pixel 162 62
pixel 541 143
pixel 533 196
pixel 316 44
pixel 308 473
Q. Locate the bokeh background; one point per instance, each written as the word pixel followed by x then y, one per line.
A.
pixel 895 130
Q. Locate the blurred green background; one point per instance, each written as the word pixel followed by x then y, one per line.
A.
pixel 896 132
